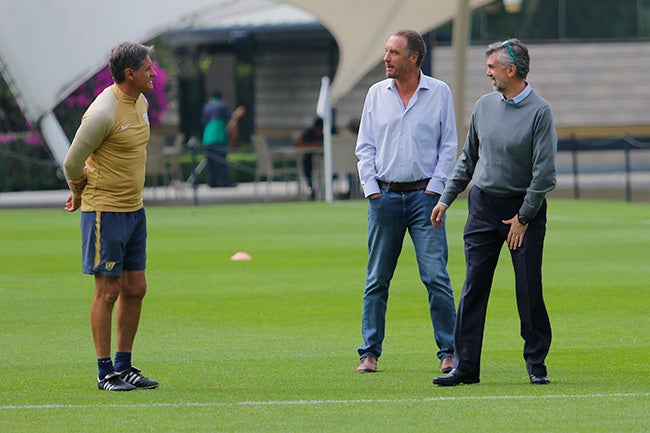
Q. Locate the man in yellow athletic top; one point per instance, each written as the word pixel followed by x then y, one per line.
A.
pixel 105 168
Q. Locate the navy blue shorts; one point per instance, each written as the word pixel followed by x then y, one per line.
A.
pixel 113 242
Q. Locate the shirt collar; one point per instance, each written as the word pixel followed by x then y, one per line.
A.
pixel 518 98
pixel 421 85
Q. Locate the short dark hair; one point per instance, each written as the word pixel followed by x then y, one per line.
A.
pixel 127 55
pixel 512 52
pixel 414 44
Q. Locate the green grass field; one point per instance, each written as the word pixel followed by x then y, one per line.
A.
pixel 269 345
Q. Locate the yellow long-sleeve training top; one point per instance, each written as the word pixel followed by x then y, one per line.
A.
pixel 111 144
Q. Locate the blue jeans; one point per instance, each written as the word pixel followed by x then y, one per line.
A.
pixel 217 171
pixel 389 216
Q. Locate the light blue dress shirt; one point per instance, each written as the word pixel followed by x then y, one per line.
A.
pixel 406 144
pixel 520 97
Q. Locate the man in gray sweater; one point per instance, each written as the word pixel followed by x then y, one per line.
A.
pixel 509 154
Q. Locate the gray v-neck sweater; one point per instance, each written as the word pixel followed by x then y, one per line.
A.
pixel 509 150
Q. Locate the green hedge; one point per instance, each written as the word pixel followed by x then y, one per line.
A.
pixel 242 166
pixel 26 167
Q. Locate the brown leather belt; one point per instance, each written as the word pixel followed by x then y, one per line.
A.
pixel 403 186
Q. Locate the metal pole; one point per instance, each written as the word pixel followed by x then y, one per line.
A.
pixel 55 137
pixel 574 159
pixel 324 110
pixel 327 158
pixel 192 144
pixel 628 171
pixel 460 38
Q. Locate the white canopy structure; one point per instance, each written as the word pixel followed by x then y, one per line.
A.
pixel 48 48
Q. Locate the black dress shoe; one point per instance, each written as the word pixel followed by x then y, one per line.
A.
pixel 455 377
pixel 539 380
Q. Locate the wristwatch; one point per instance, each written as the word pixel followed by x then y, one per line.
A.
pixel 522 220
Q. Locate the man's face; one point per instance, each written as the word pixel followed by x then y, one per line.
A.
pixel 396 60
pixel 497 73
pixel 143 76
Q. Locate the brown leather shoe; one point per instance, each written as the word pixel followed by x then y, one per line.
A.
pixel 447 364
pixel 368 364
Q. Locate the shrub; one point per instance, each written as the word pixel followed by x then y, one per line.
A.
pixel 69 112
pixel 26 163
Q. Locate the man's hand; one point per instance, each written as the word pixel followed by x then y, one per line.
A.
pixel 78 185
pixel 516 234
pixel 238 113
pixel 437 215
pixel 73 203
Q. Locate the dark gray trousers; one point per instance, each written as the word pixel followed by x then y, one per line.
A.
pixel 484 237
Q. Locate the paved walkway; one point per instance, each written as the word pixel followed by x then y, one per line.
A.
pixel 607 186
pixel 180 194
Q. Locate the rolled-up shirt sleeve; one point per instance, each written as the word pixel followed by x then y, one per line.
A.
pixel 366 151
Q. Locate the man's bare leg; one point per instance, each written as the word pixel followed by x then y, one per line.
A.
pixel 129 307
pixel 107 290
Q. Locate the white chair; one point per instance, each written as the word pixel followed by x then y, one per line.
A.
pixel 272 163
pixel 163 164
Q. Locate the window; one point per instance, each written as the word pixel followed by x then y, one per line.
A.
pixel 558 20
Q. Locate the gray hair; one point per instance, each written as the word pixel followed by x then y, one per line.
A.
pixel 512 52
pixel 414 44
pixel 127 55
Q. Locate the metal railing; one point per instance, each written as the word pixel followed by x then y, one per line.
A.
pixel 625 144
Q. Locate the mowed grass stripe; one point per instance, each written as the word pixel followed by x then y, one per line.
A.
pixel 331 402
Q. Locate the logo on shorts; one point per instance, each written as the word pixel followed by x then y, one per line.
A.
pixel 109 266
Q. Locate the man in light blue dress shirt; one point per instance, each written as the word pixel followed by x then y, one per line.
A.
pixel 406 148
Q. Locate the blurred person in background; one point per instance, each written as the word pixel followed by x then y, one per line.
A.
pixel 219 125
